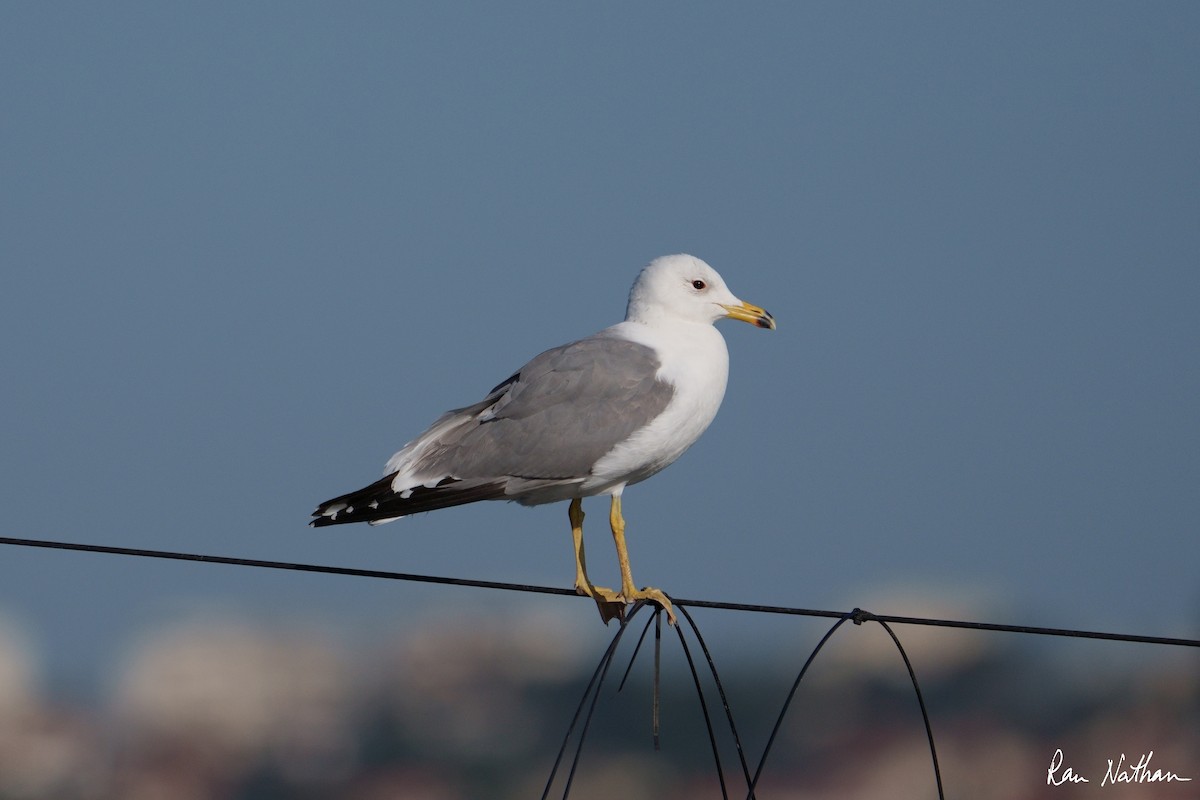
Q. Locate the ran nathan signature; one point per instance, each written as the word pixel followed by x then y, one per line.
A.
pixel 1119 771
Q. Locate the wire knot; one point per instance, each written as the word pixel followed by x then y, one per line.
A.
pixel 859 616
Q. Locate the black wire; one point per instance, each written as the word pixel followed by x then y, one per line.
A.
pixel 285 565
pixel 712 736
pixel 762 762
pixel 737 740
pixel 593 690
pixel 587 720
pixel 522 587
pixel 657 706
pixel 574 721
pixel 863 616
pixel 858 617
pixel 637 648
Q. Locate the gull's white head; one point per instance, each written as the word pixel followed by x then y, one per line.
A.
pixel 684 288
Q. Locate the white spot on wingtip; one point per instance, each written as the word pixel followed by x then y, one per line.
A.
pixel 333 511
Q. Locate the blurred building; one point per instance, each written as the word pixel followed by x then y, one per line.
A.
pixel 474 705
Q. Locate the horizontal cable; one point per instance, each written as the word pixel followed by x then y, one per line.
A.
pixel 857 615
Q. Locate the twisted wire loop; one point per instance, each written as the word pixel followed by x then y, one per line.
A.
pixel 592 691
pixel 712 667
pixel 762 762
pixel 858 616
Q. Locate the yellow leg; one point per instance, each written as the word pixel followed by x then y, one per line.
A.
pixel 575 512
pixel 609 603
pixel 629 591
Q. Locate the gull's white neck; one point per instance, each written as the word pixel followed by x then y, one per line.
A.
pixel 693 354
pixel 695 362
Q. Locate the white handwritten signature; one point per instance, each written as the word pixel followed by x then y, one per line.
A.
pixel 1120 771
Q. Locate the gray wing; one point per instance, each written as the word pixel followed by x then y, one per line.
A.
pixel 536 433
pixel 561 413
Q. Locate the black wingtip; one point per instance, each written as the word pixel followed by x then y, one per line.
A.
pixel 356 506
pixel 379 502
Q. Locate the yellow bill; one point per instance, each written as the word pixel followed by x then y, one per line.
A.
pixel 748 312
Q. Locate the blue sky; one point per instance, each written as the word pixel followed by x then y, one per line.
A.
pixel 250 250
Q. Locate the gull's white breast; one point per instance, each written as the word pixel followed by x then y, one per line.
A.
pixel 695 362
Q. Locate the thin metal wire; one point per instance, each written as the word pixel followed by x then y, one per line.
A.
pixel 593 689
pixel 637 648
pixel 912 675
pixel 712 667
pixel 564 592
pixel 574 721
pixel 656 619
pixel 657 679
pixel 633 657
pixel 858 616
pixel 596 684
pixel 762 762
pixel 712 737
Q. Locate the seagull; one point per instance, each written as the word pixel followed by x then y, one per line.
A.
pixel 583 419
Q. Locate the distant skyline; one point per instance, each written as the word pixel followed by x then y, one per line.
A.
pixel 476 708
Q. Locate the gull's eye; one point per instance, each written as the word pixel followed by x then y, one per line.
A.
pixel 699 285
